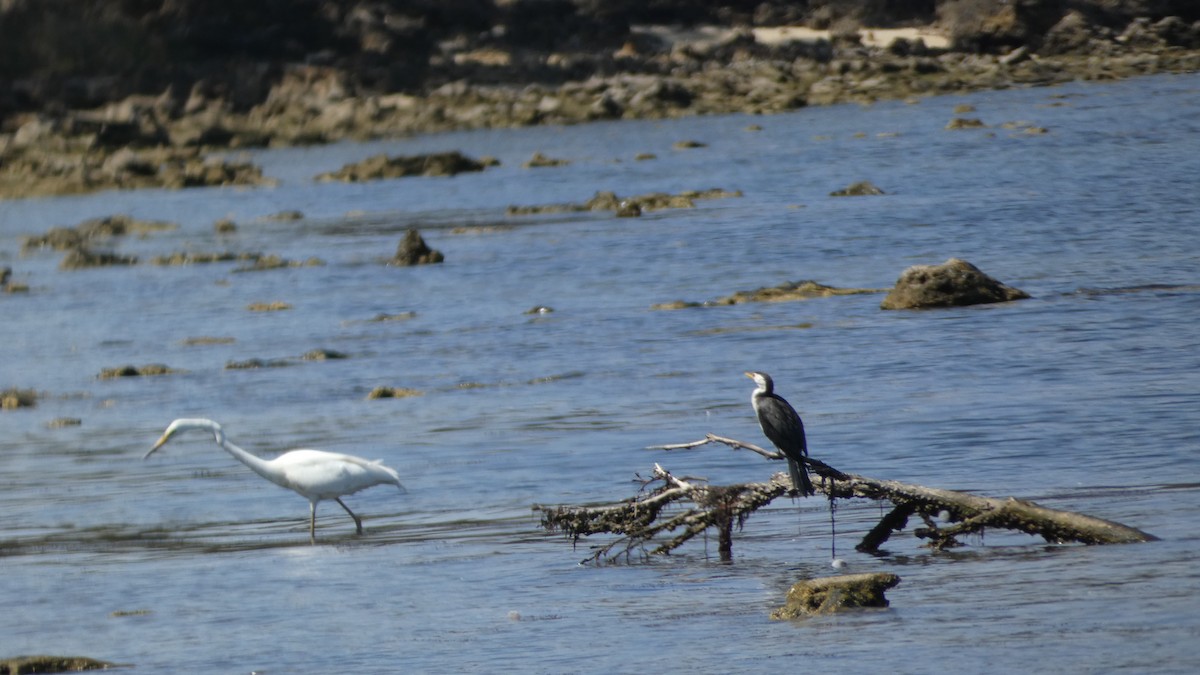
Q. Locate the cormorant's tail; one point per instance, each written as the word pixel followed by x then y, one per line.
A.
pixel 800 480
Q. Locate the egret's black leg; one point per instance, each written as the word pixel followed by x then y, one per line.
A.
pixel 357 520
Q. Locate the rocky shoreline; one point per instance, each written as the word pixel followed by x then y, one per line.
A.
pixel 183 138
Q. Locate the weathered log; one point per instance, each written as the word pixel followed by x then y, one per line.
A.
pixel 641 518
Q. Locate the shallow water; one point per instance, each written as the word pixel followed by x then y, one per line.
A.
pixel 1082 398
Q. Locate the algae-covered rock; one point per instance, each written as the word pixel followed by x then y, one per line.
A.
pixel 414 251
pixel 836 594
pixel 51 664
pixel 789 291
pixel 631 206
pixel 13 398
pixel 954 283
pixel 966 123
pixel 392 392
pixel 83 257
pixel 137 371
pixel 254 364
pixel 538 160
pixel 382 166
pixel 860 189
pixel 323 355
pixel 277 306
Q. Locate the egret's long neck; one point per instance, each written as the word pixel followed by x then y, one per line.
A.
pixel 260 466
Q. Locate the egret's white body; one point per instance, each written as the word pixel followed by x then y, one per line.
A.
pixel 313 474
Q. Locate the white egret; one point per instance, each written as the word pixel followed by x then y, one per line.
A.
pixel 313 474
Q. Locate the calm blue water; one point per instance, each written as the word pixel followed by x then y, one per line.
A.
pixel 1083 398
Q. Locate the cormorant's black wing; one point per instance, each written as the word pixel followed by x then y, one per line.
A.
pixel 782 426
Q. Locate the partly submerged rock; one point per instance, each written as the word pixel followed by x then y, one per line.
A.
pixel 785 292
pixel 392 392
pixel 539 160
pixel 382 166
pixel 276 306
pixel 274 262
pixel 68 238
pixel 203 258
pixel 954 283
pixel 323 355
pixel 137 371
pixel 13 398
pixel 414 251
pixel 51 664
pixel 790 290
pixel 631 206
pixel 83 257
pixel 285 215
pixel 254 364
pixel 966 123
pixel 836 594
pixel 383 316
pixel 859 189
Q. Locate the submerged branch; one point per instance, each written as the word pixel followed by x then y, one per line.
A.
pixel 641 518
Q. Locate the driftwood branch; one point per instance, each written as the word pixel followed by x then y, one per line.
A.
pixel 640 519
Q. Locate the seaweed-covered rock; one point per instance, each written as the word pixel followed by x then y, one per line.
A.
pixel 203 258
pixel 13 398
pixel 836 594
pixel 51 664
pixel 966 123
pixel 136 371
pixel 253 364
pixel 786 292
pixel 382 166
pixel 539 160
pixel 859 189
pixel 287 215
pixel 206 340
pixel 392 392
pixel 83 257
pixel 276 306
pixel 322 355
pixel 118 225
pixel 631 206
pixel 954 283
pixel 790 290
pixel 384 317
pixel 274 262
pixel 414 251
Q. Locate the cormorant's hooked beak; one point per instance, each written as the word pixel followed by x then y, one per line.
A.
pixel 749 374
pixel 161 442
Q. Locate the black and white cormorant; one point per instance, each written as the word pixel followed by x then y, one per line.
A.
pixel 782 426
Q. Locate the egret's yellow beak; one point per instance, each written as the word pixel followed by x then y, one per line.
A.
pixel 161 441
